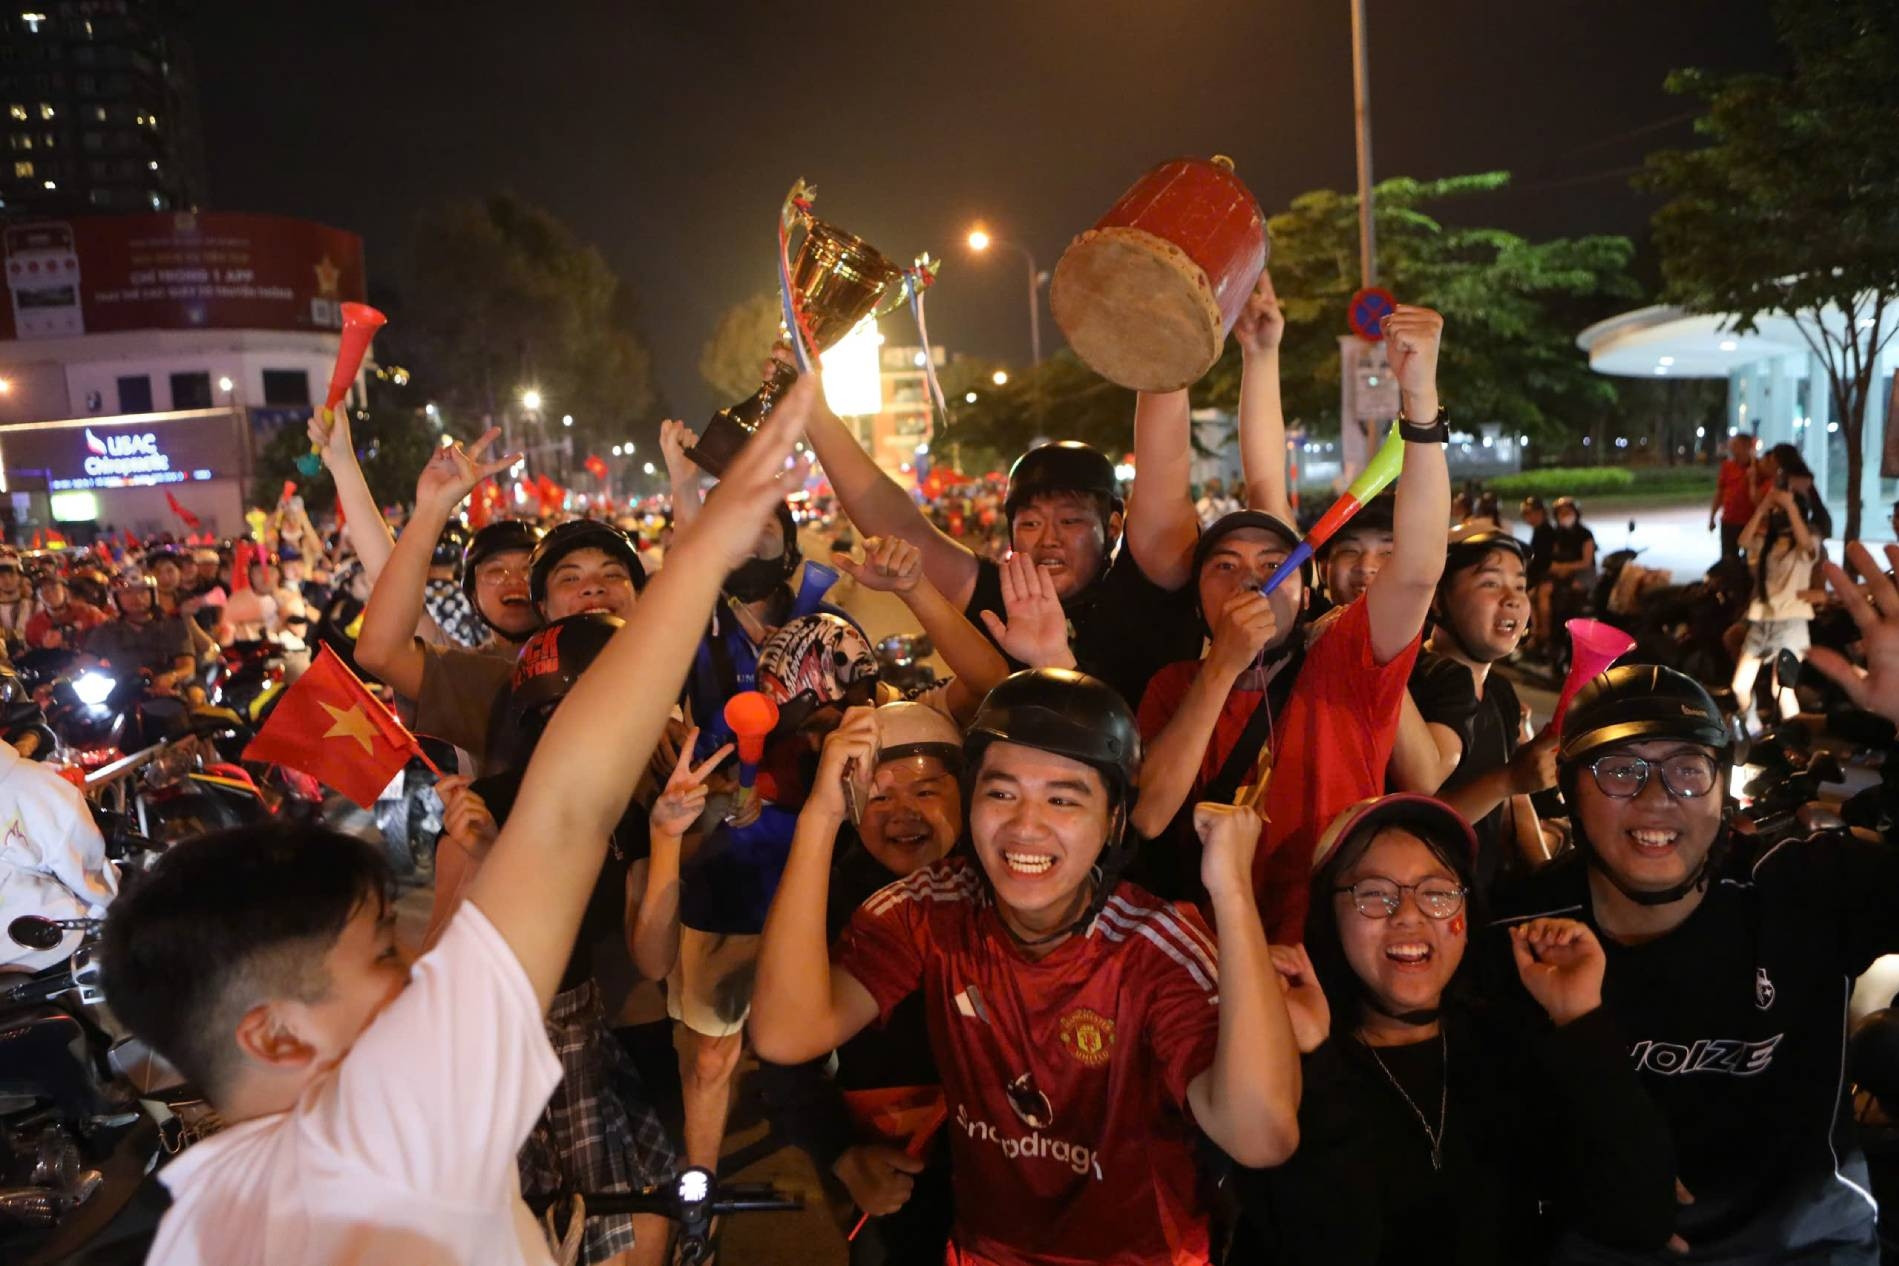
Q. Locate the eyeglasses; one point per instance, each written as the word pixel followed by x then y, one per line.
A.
pixel 1685 775
pixel 1380 898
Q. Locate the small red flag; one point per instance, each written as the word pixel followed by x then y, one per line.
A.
pixel 480 507
pixel 596 467
pixel 39 539
pixel 185 516
pixel 290 490
pixel 901 1116
pixel 329 726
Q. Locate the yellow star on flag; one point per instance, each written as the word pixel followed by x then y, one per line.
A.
pixel 351 723
pixel 327 277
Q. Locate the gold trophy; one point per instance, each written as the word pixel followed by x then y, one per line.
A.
pixel 836 281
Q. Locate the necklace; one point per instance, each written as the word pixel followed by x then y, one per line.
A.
pixel 1443 1104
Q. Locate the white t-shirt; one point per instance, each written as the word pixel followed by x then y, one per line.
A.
pixel 405 1155
pixel 52 859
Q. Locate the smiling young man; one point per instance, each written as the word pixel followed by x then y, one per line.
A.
pixel 1482 610
pixel 1083 1029
pixel 1303 725
pixel 1126 606
pixel 375 1112
pixel 1729 980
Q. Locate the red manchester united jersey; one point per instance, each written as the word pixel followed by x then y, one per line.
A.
pixel 1066 1078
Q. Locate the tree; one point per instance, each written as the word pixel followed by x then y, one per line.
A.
pixel 1059 399
pixel 392 443
pixel 1792 206
pixel 501 296
pixel 740 345
pixel 1511 307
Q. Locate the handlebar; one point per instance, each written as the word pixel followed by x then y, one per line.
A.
pixel 692 1199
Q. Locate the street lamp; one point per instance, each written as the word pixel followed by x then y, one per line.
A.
pixel 225 385
pixel 531 400
pixel 6 386
pixel 566 419
pixel 979 241
pixel 1000 378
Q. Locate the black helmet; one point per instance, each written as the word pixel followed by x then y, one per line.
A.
pixel 1469 548
pixel 1640 701
pixel 577 534
pixel 1226 525
pixel 1065 712
pixel 449 546
pixel 504 536
pixel 552 660
pixel 1633 703
pixel 1566 503
pixel 1532 503
pixel 1065 466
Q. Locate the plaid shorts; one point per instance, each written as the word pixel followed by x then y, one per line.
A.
pixel 599 1131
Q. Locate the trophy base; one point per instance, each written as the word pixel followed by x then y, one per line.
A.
pixel 725 435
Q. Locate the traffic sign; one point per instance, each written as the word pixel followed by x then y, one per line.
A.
pixel 1369 309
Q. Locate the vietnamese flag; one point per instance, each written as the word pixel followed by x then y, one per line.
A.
pixel 905 1117
pixel 185 516
pixel 596 467
pixel 329 726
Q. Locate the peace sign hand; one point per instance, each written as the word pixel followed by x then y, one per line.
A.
pixel 1876 611
pixel 684 797
pixel 453 471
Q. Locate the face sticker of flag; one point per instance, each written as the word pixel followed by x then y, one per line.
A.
pixel 969 1002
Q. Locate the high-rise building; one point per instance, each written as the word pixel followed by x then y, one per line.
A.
pixel 100 109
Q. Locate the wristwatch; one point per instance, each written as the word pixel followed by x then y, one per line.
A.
pixel 1436 431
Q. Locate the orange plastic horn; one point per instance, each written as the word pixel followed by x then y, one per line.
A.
pixel 752 716
pixel 360 323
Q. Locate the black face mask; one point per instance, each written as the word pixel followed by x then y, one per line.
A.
pixel 756 579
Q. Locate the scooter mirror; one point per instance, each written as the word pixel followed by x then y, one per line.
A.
pixel 35 933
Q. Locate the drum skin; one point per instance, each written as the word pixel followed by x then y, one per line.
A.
pixel 1147 296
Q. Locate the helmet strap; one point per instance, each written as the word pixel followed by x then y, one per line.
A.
pixel 1649 897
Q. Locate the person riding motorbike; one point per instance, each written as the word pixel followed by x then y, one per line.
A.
pixel 143 639
pixel 16 602
pixel 63 619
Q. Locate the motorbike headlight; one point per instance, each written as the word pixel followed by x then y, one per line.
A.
pixel 93 687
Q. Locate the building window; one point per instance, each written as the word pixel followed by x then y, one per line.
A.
pixel 32 21
pixel 46 110
pixel 20 140
pixel 191 391
pixel 22 168
pixel 135 393
pixel 99 113
pixel 158 202
pixel 287 388
pixel 17 111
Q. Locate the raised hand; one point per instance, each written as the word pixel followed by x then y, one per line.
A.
pixel 878 1176
pixel 891 565
pixel 332 439
pixel 1261 325
pixel 850 752
pixel 1876 611
pixel 1241 630
pixel 1412 338
pixel 1229 834
pixel 1036 628
pixel 757 480
pixel 1534 766
pixel 1561 963
pixel 675 437
pixel 684 797
pixel 453 471
pixel 1305 1002
pixel 466 820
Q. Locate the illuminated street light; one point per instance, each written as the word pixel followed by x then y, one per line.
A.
pixel 970 398
pixel 566 419
pixel 978 240
pixel 6 386
pixel 649 468
pixel 616 450
pixel 1000 378
pixel 530 400
pixel 225 384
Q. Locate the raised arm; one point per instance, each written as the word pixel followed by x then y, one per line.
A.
pixel 1398 603
pixel 537 879
pixel 895 565
pixel 1161 524
pixel 386 643
pixel 1248 1101
pixel 653 929
pixel 681 472
pixel 801 1008
pixel 1259 331
pixel 878 507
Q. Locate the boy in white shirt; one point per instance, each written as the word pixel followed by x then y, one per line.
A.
pixel 376 1111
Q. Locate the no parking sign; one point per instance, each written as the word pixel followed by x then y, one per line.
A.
pixel 1368 310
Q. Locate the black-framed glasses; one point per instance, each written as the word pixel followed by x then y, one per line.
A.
pixel 1380 898
pixel 1685 775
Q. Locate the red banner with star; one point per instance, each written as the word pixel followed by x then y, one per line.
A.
pixel 330 727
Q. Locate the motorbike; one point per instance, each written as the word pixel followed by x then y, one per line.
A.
pixel 902 662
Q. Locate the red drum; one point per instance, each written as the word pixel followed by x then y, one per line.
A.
pixel 1148 295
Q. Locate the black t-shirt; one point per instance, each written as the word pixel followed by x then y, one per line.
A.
pixel 1542 552
pixel 1446 694
pixel 1566 543
pixel 1736 1022
pixel 1124 628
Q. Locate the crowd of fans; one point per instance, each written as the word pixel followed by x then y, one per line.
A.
pixel 1215 924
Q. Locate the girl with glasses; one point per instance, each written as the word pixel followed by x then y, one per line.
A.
pixel 1428 1131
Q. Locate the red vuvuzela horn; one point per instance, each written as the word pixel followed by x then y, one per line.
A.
pixel 752 715
pixel 360 323
pixel 1593 647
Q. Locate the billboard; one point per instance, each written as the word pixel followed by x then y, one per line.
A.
pixel 177 271
pixel 127 451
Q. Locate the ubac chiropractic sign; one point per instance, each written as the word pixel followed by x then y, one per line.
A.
pixel 141 453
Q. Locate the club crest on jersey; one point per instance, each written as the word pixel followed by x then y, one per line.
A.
pixel 1088 1036
pixel 1763 989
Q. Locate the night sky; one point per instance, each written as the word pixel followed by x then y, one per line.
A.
pixel 667 134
